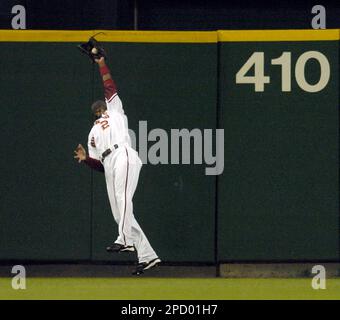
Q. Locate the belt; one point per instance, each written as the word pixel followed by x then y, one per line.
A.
pixel 108 151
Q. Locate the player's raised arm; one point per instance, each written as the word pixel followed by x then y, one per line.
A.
pixel 110 89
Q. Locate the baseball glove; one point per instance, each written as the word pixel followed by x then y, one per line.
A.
pixel 93 49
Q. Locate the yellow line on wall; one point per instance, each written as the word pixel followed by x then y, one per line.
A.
pixel 160 36
pixel 278 35
pixel 108 36
pixel 169 36
pixel 44 36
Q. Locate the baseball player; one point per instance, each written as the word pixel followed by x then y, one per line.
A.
pixel 110 151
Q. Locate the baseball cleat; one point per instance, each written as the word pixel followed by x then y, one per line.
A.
pixel 116 247
pixel 141 267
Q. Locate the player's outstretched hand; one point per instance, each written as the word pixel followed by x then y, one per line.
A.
pixel 100 61
pixel 80 153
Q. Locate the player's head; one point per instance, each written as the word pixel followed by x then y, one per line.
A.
pixel 98 108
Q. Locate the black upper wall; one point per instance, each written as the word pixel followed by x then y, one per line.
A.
pixel 169 15
pixel 72 15
pixel 241 14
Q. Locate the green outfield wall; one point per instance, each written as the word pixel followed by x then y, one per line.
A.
pixel 279 193
pixel 275 94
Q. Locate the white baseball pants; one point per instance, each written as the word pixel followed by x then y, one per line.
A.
pixel 122 169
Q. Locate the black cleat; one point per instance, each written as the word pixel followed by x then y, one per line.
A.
pixel 141 267
pixel 116 247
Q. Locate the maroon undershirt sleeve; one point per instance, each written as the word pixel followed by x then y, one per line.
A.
pixel 94 164
pixel 110 88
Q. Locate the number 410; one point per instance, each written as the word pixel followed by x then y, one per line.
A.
pixel 259 79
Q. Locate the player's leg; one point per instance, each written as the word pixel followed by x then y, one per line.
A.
pixel 126 172
pixel 141 243
pixel 122 177
pixel 144 249
pixel 147 257
pixel 111 194
pixel 116 246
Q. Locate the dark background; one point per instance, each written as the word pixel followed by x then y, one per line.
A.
pixel 168 15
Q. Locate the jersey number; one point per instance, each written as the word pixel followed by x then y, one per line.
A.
pixel 104 124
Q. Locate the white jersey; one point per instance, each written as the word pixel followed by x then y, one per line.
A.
pixel 110 129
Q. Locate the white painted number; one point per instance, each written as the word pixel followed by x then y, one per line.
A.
pixel 285 62
pixel 300 71
pixel 259 79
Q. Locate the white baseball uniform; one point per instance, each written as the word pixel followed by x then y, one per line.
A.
pixel 122 169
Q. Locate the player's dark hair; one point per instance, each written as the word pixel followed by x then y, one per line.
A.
pixel 99 104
